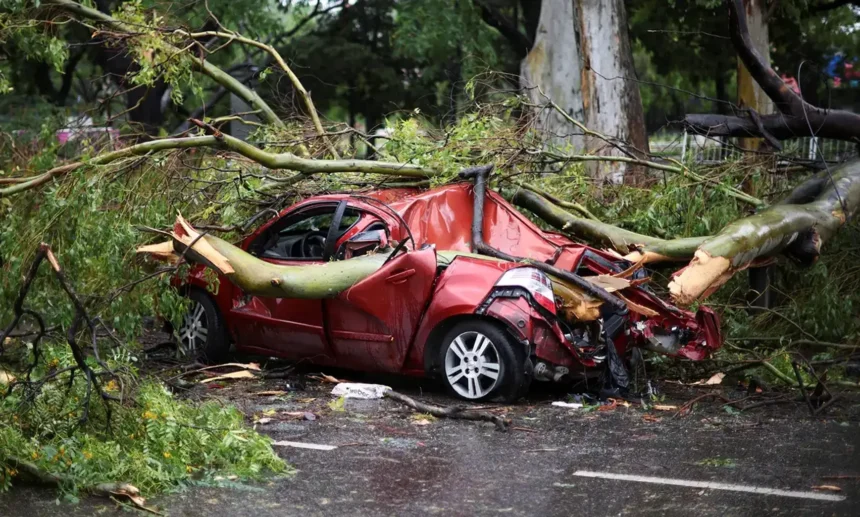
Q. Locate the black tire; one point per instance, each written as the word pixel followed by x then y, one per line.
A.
pixel 514 375
pixel 215 346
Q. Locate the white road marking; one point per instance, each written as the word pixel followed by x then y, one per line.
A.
pixel 303 445
pixel 711 485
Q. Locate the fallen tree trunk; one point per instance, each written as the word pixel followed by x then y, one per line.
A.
pixel 798 230
pixel 796 227
pixel 260 278
pixel 635 246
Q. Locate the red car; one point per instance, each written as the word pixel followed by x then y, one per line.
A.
pixel 485 327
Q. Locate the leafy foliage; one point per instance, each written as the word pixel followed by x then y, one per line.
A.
pixel 437 32
pixel 152 441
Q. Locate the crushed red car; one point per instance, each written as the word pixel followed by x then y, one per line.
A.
pixel 485 327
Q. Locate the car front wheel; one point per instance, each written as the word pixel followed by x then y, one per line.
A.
pixel 480 362
pixel 202 333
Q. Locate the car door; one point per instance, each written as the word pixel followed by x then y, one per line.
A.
pixel 288 327
pixel 371 325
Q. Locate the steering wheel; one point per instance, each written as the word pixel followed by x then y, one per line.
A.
pixel 312 244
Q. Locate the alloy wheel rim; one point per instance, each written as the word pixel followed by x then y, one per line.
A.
pixel 472 365
pixel 194 330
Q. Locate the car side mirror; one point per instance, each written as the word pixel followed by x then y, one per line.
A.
pixel 363 243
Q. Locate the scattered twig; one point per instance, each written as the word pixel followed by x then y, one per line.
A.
pixel 803 388
pixel 824 406
pixel 448 412
pixel 780 400
pixel 688 406
pixel 81 316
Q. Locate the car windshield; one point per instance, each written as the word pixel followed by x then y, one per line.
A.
pixel 321 222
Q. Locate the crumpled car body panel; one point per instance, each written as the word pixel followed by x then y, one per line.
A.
pixel 358 330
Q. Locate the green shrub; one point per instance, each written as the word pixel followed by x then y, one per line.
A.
pixel 152 440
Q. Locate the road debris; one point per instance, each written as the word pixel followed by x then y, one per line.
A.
pixel 828 488
pixel 326 378
pixel 610 405
pixel 569 405
pixel 109 490
pixel 244 366
pixel 715 379
pixel 357 390
pixel 301 415
pixel 663 407
pixel 241 374
pixel 270 393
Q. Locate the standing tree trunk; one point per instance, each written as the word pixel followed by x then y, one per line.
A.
pixel 552 68
pixel 750 94
pixel 610 93
pixel 582 60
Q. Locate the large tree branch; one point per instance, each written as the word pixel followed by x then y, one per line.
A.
pixel 836 124
pixel 297 84
pixel 797 230
pixel 205 67
pixel 779 125
pixel 219 140
pixel 636 247
pixel 796 227
pixel 260 278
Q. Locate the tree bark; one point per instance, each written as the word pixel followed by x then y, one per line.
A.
pixel 581 59
pixel 610 93
pixel 552 68
pixel 750 94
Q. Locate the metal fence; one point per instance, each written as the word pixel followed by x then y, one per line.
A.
pixel 714 150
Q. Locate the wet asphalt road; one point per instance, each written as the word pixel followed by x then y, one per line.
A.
pixel 388 465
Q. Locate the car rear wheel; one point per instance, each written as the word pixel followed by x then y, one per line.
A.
pixel 202 333
pixel 480 361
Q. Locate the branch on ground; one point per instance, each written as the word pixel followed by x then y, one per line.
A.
pixel 448 412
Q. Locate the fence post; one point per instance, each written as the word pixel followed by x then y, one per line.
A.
pixel 813 148
pixel 684 146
